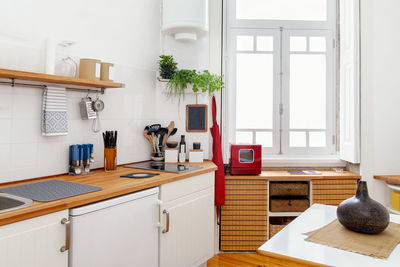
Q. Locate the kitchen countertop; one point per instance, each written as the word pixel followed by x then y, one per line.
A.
pixel 113 185
pixel 391 179
pixel 284 175
pixel 289 243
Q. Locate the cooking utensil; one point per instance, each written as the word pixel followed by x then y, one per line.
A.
pixel 146 135
pixel 163 133
pixel 173 132
pixel 98 105
pixel 170 128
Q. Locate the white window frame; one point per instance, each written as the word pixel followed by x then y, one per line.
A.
pixel 294 24
pixel 276 90
pixel 330 96
pixel 234 27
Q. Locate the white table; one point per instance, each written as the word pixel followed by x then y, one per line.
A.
pixel 290 242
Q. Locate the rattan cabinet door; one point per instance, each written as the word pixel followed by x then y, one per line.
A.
pixel 244 219
pixel 334 191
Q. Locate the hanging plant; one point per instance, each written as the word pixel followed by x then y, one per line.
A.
pixel 204 82
pixel 167 66
pixel 207 83
pixel 180 81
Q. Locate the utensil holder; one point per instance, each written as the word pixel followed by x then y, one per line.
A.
pixel 110 159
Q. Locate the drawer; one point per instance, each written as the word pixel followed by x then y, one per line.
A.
pixel 246 197
pixel 243 217
pixel 336 181
pixel 289 205
pixel 289 189
pixel 184 187
pixel 243 223
pixel 328 197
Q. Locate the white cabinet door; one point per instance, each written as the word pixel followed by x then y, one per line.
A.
pixel 189 240
pixel 35 242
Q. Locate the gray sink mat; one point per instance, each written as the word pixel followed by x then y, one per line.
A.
pixel 50 190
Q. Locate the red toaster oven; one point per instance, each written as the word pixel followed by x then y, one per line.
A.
pixel 246 159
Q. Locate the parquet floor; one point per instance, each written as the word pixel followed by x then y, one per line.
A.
pixel 248 260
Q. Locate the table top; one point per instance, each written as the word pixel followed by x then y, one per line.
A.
pixel 290 243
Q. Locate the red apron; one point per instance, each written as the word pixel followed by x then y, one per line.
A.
pixel 217 159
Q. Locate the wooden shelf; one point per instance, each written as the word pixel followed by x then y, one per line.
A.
pixel 37 79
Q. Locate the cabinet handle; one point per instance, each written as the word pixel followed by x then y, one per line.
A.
pixel 166 230
pixel 67 234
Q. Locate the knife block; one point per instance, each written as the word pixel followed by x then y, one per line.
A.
pixel 110 159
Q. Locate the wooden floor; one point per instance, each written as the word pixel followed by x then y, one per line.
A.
pixel 248 260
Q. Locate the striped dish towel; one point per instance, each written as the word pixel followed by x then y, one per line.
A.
pixel 54 111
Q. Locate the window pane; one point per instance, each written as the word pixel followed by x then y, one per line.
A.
pixel 244 43
pixel 265 43
pixel 264 139
pixel 317 139
pixel 297 139
pixel 312 10
pixel 298 44
pixel 254 91
pixel 317 44
pixel 244 138
pixel 307 91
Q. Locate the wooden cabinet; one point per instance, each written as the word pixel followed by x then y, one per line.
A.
pixel 187 221
pixel 333 191
pixel 35 242
pixel 244 220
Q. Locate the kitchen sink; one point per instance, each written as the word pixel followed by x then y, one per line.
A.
pixel 10 202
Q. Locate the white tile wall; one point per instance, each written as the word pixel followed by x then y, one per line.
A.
pixel 125 33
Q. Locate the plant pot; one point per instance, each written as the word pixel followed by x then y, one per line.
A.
pixel 363 214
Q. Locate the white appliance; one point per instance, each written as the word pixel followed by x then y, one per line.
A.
pixel 185 19
pixel 119 232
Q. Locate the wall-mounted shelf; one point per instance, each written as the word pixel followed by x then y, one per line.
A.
pixel 40 80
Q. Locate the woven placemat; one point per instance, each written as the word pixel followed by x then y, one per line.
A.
pixel 336 235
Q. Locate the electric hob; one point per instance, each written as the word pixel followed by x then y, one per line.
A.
pixel 160 166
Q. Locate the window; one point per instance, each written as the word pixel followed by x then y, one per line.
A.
pixel 281 75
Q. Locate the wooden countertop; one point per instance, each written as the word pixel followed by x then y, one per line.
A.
pixel 391 179
pixel 284 175
pixel 113 185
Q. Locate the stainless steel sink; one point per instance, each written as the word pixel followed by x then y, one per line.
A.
pixel 10 202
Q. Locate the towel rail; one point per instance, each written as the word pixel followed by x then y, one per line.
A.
pixel 13 83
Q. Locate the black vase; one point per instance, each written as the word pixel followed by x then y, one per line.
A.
pixel 363 214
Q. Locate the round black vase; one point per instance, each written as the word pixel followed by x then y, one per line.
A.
pixel 363 214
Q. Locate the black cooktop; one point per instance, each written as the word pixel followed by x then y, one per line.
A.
pixel 160 166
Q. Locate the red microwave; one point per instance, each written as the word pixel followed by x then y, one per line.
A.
pixel 246 159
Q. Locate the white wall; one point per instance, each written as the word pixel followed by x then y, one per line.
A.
pixel 126 33
pixel 380 93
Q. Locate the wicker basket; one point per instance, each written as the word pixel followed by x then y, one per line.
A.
pixel 289 189
pixel 275 228
pixel 289 205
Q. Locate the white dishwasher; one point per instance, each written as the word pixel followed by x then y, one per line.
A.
pixel 119 232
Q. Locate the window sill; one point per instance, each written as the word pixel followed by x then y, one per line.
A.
pixel 278 161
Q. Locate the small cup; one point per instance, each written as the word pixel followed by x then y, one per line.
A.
pixel 196 145
pixel 110 159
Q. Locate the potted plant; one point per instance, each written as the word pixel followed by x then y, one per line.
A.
pixel 201 82
pixel 167 66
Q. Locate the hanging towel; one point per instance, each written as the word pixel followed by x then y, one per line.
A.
pixel 54 111
pixel 217 159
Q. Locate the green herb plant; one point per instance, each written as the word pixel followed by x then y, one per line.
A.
pixel 207 82
pixel 167 66
pixel 180 81
pixel 204 82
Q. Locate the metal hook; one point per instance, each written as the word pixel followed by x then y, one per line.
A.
pixel 12 82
